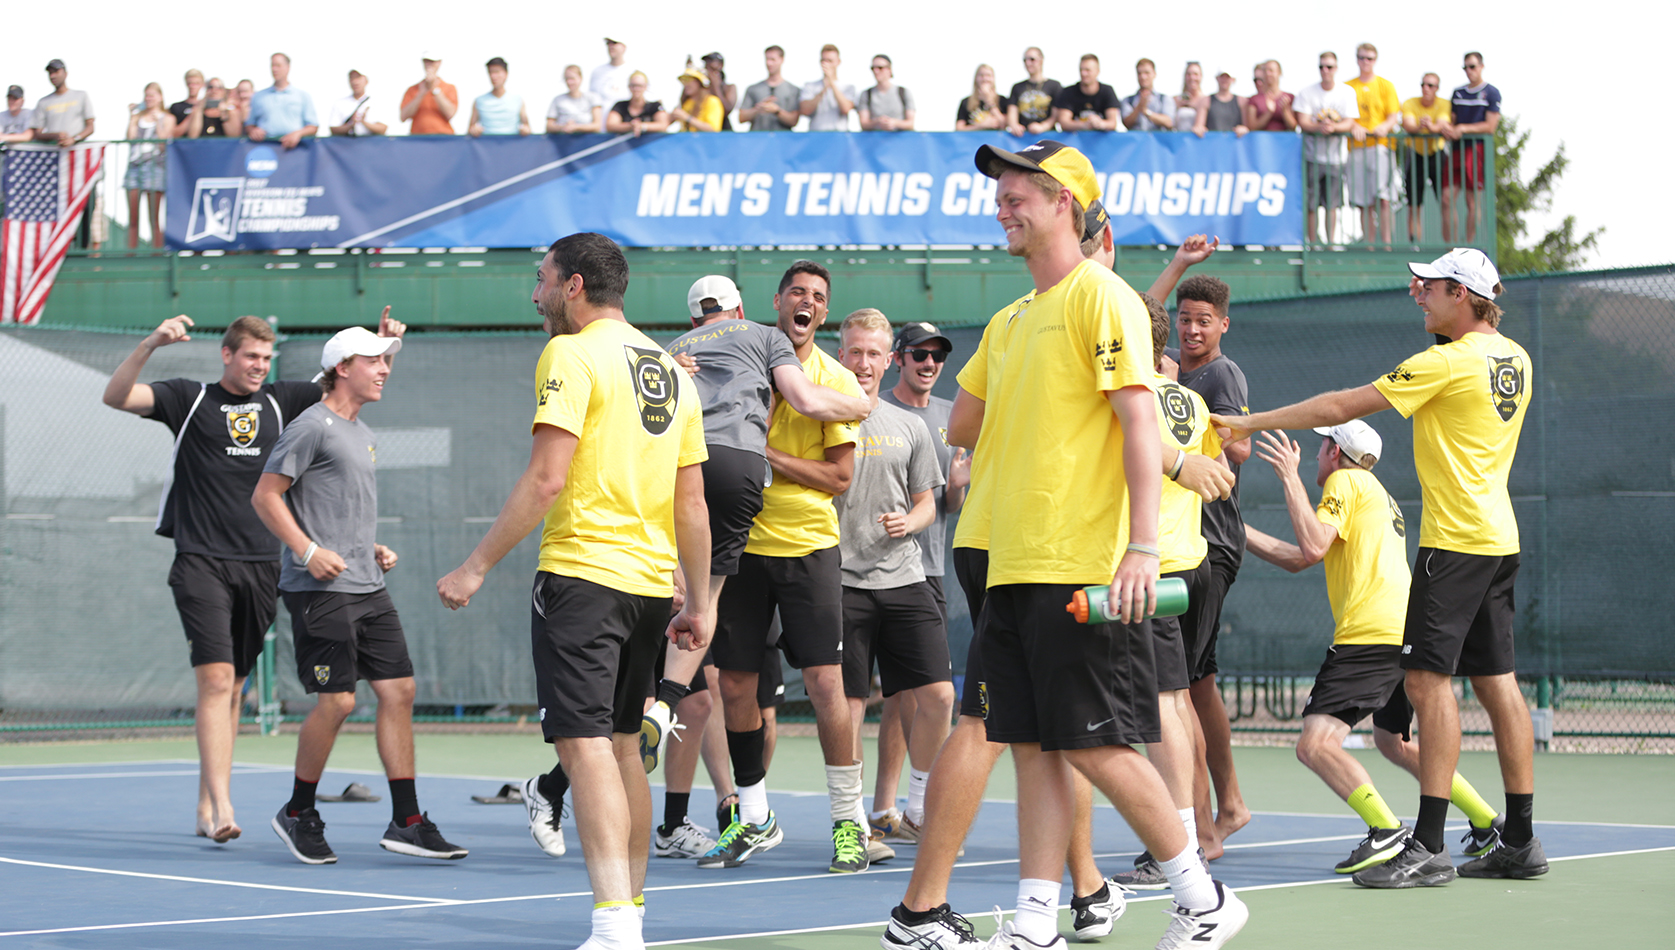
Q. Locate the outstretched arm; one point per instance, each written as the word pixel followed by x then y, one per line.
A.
pixel 1194 250
pixel 821 403
pixel 122 392
pixel 1326 409
pixel 1274 551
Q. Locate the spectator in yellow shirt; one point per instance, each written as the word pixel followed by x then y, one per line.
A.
pixel 1427 117
pixel 1372 165
pixel 700 110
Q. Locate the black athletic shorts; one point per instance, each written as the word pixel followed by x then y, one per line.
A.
pixel 1355 681
pixel 1418 170
pixel 733 483
pixel 595 649
pixel 1064 684
pixel 698 684
pixel 770 682
pixel 1168 647
pixel 902 629
pixel 935 584
pixel 341 638
pixel 1459 614
pixel 971 569
pixel 808 591
pixel 225 607
pixel 1206 588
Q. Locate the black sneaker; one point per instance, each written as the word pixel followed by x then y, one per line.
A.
pixel 1414 866
pixel 305 835
pixel 849 852
pixel 1379 846
pixel 421 840
pixel 941 929
pixel 1146 876
pixel 1094 916
pixel 1481 841
pixel 741 840
pixel 1506 861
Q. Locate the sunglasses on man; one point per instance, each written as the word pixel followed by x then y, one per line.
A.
pixel 919 356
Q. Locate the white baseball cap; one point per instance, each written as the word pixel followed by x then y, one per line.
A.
pixel 1356 439
pixel 433 55
pixel 355 341
pixel 1467 265
pixel 722 290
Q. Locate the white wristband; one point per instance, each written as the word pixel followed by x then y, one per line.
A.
pixel 1180 462
pixel 308 555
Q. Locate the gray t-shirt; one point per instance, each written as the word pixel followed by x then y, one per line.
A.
pixel 11 124
pixel 934 538
pixel 893 462
pixel 333 466
pixel 1160 102
pixel 63 112
pixel 826 117
pixel 736 360
pixel 894 102
pixel 1222 384
pixel 786 94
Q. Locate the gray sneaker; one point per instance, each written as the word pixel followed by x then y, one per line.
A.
pixel 1506 861
pixel 1146 876
pixel 1480 841
pixel 1413 867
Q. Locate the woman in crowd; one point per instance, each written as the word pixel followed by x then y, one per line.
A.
pixel 147 175
pixel 700 111
pixel 1192 90
pixel 1222 111
pixel 637 114
pixel 575 109
pixel 984 108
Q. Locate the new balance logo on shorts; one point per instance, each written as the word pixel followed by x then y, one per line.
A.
pixel 1407 648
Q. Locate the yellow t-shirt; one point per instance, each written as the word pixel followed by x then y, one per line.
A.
pixel 637 419
pixel 1184 421
pixel 1376 101
pixel 1427 142
pixel 973 528
pixel 1467 400
pixel 798 519
pixel 1366 567
pixel 1058 487
pixel 710 113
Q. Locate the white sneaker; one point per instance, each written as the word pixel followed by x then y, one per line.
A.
pixel 655 727
pixel 1008 938
pixel 1205 929
pixel 1095 919
pixel 877 851
pixel 686 841
pixel 944 931
pixel 543 818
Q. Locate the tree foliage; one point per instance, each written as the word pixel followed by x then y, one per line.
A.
pixel 1559 249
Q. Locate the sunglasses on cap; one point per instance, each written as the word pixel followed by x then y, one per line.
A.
pixel 920 355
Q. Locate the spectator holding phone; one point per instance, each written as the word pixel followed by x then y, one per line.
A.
pixel 147 175
pixel 217 114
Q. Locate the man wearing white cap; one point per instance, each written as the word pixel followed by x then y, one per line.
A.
pixel 1467 398
pixel 430 103
pixel 1359 531
pixel 319 495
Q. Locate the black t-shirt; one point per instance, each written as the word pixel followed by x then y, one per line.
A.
pixel 626 112
pixel 182 112
pixel 1035 100
pixel 1222 384
pixel 1084 106
pixel 964 114
pixel 220 460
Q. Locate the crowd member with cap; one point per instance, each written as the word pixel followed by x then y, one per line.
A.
pixel 63 116
pixel 1220 111
pixel 575 109
pixel 700 109
pixel 14 122
pixel 1070 417
pixel 430 103
pixel 1359 532
pixel 217 115
pixel 609 82
pixel 498 112
pixel 715 67
pixel 1467 398
pixel 281 111
pixel 637 114
pixel 771 105
pixel 319 495
pixel 353 115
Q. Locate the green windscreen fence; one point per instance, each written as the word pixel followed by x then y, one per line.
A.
pixel 89 635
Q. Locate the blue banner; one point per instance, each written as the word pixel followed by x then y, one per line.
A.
pixel 690 190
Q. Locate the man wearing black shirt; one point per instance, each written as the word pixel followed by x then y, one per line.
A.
pixel 183 109
pixel 1090 105
pixel 226 570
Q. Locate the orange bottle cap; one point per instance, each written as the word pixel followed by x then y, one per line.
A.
pixel 1078 606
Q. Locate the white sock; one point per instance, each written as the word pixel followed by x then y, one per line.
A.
pixel 618 926
pixel 843 787
pixel 875 815
pixel 916 795
pixel 753 803
pixel 1191 883
pixel 1038 910
pixel 1189 818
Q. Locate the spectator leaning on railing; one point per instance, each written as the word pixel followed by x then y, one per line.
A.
pixel 352 115
pixel 216 115
pixel 1372 165
pixel 65 115
pixel 281 111
pixel 1090 105
pixel 609 82
pixel 575 109
pixel 1476 111
pixel 182 110
pixel 771 105
pixel 886 107
pixel 1192 91
pixel 14 122
pixel 826 101
pixel 1270 110
pixel 498 112
pixel 430 103
pixel 1221 111
pixel 715 66
pixel 635 114
pixel 1029 107
pixel 1147 110
pixel 984 108
pixel 1324 112
pixel 243 92
pixel 700 110
pixel 147 174
pixel 1425 119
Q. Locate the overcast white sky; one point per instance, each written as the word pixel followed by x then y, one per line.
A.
pixel 1556 66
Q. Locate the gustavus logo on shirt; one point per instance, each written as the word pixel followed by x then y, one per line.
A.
pixel 1396 520
pixel 654 387
pixel 322 674
pixel 1179 411
pixel 243 422
pixel 1506 384
pixel 1400 374
pixel 1105 351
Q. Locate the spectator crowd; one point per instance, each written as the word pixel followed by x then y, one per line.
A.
pixel 1351 150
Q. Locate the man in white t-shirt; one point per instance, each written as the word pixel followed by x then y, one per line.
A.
pixel 1325 111
pixel 826 101
pixel 353 114
pixel 610 81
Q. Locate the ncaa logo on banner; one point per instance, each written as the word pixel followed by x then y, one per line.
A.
pixel 214 212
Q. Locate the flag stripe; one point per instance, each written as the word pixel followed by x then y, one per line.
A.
pixel 37 235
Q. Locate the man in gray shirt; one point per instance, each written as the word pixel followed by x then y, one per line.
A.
pixel 319 495
pixel 66 115
pixel 772 104
pixel 889 611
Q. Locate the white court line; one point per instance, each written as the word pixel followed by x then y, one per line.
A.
pixel 204 880
pixel 87 765
pixel 209 920
pixel 75 775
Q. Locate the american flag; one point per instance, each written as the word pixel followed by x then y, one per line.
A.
pixel 46 189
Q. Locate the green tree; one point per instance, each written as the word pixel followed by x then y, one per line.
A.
pixel 1559 249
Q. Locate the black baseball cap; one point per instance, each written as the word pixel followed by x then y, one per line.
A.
pixel 915 334
pixel 715 56
pixel 56 64
pixel 14 92
pixel 1094 220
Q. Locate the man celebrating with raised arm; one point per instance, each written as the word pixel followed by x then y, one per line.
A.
pixel 1467 399
pixel 615 474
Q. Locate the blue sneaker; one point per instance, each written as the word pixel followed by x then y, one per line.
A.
pixel 741 840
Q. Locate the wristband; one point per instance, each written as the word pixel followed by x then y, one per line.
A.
pixel 308 555
pixel 1180 463
pixel 1143 549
